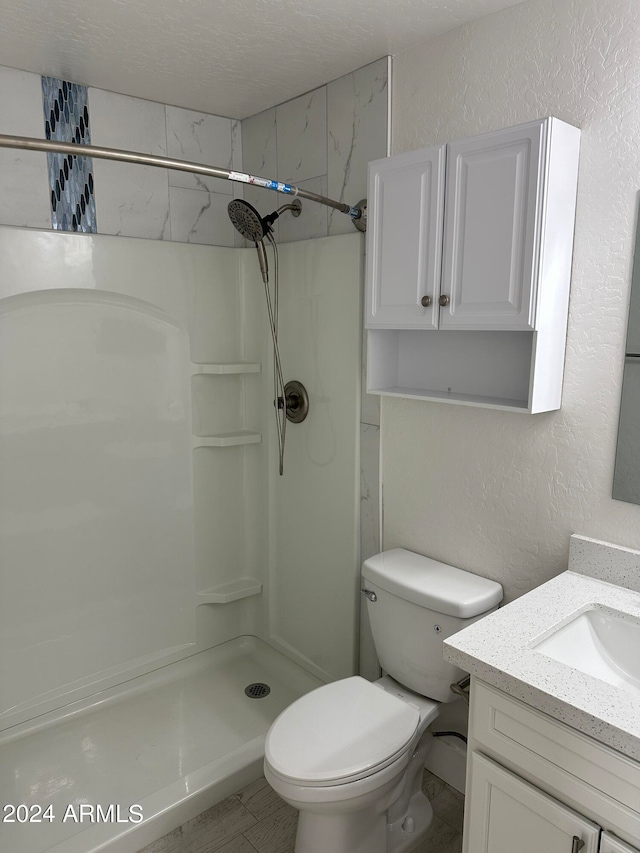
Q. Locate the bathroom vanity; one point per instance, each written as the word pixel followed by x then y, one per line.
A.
pixel 554 728
pixel 536 781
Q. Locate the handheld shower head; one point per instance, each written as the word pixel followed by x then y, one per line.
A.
pixel 246 219
pixel 248 222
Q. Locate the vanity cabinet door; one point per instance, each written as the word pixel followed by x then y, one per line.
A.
pixel 611 844
pixel 492 224
pixel 506 814
pixel 404 239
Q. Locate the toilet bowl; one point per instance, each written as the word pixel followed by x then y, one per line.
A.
pixel 350 754
pixel 340 755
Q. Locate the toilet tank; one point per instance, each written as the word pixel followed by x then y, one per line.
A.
pixel 418 603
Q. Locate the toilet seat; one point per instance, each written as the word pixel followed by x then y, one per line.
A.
pixel 339 733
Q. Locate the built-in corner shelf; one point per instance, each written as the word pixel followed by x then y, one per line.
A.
pixel 225 368
pixel 231 591
pixel 235 437
pixel 227 439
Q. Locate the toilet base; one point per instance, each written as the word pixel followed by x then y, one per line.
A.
pixel 365 831
pixel 404 835
pixel 353 832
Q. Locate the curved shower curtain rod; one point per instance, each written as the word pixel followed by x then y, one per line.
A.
pixel 357 214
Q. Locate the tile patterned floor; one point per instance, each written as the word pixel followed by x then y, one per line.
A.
pixel 256 820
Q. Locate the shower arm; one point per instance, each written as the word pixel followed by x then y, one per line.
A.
pixel 357 214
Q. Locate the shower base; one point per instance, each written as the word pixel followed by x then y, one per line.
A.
pixel 172 743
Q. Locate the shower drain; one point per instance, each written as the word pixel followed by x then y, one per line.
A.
pixel 257 690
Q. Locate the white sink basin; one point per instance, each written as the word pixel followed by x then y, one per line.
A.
pixel 602 643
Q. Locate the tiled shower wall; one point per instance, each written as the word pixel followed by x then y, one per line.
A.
pixel 130 200
pixel 321 141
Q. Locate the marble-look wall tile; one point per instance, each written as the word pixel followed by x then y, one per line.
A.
pixel 236 147
pixel 237 188
pixel 260 157
pixel 357 112
pixel 24 199
pixel 200 217
pixel 130 200
pixel 312 222
pixel 259 153
pixel 198 204
pixel 302 137
pixel 199 138
pixel 331 134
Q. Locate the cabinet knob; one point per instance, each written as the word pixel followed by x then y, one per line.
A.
pixel 443 301
pixel 577 844
pixel 425 301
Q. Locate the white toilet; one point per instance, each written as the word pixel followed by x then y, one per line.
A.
pixel 350 754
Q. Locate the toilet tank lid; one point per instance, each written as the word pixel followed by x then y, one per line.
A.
pixel 432 584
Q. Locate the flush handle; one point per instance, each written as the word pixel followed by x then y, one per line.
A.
pixel 577 844
pixel 370 595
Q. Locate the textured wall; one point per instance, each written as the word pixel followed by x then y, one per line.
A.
pixel 495 492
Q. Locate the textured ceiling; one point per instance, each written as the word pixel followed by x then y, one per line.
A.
pixel 227 57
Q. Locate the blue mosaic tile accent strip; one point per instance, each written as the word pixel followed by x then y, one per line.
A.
pixel 66 119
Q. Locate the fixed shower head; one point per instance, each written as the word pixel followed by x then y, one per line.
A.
pixel 246 219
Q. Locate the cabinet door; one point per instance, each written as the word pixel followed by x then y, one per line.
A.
pixel 492 222
pixel 611 844
pixel 507 815
pixel 404 239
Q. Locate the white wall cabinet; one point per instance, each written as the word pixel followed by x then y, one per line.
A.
pixel 406 225
pixel 493 221
pixel 468 267
pixel 535 784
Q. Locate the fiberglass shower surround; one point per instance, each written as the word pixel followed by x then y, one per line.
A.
pixel 290 399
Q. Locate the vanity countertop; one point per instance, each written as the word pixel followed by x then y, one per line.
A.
pixel 498 650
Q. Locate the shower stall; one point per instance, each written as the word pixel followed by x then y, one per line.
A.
pixel 154 562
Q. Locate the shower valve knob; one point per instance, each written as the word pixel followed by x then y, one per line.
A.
pixel 296 401
pixel 426 301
